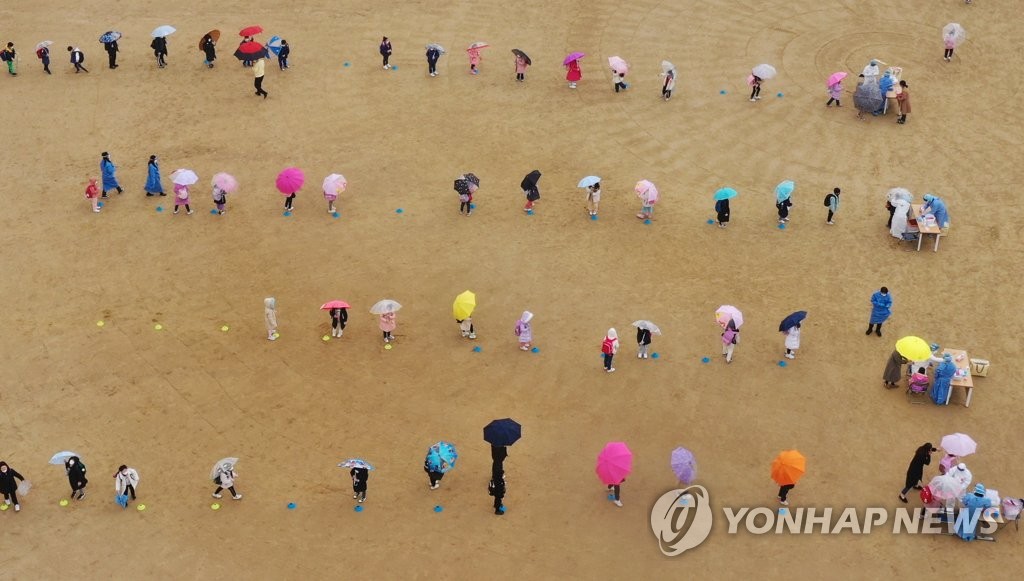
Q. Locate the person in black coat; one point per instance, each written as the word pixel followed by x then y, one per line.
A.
pixel 339 317
pixel 76 477
pixel 282 56
pixel 496 488
pixel 643 339
pixel 77 59
pixel 8 486
pixel 359 478
pixel 112 49
pixel 432 56
pixel 159 46
pixel 210 50
pixel 722 209
pixel 915 472
pixel 498 455
pixel 529 186
pixel 435 477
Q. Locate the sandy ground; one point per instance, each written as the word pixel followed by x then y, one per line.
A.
pixel 172 402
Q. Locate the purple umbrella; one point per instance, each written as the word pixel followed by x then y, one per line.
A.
pixel 573 57
pixel 684 465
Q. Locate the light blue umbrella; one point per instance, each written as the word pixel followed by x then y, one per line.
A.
pixel 274 44
pixel 589 181
pixel 165 30
pixel 441 457
pixel 355 463
pixel 725 194
pixel 784 190
pixel 59 458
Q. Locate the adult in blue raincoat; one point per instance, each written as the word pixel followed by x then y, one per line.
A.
pixel 974 505
pixel 881 309
pixel 108 170
pixel 153 185
pixel 943 376
pixel 885 84
pixel 934 205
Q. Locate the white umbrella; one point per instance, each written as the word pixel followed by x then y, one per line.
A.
pixel 649 326
pixel 667 66
pixel 184 177
pixel 954 32
pixel 44 44
pixel 60 457
pixel 385 306
pixel 763 71
pixel 164 30
pixel 222 465
pixel 901 194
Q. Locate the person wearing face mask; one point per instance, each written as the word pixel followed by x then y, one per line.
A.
pixel 76 477
pixel 153 185
pixel 125 481
pixel 8 486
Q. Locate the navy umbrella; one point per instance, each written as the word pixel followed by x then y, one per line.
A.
pixel 503 432
pixel 792 321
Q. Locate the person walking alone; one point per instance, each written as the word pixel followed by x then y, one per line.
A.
pixel 609 347
pixel 339 317
pixel 359 478
pixel 8 486
pixel 832 203
pixel 159 46
pixel 385 52
pixel 112 50
pixel 225 478
pixel 881 310
pixel 77 59
pixel 43 52
pixel 75 470
pixel 435 476
pixel 433 54
pixel 270 317
pixel 153 185
pixel 496 488
pixel 109 173
pixel 282 55
pixel 209 51
pixel 10 56
pixel 915 472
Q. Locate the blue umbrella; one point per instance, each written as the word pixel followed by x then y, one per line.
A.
pixel 792 321
pixel 110 36
pixel 274 44
pixel 503 432
pixel 355 463
pixel 725 194
pixel 441 457
pixel 588 181
pixel 784 190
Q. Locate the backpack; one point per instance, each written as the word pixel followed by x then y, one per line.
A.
pixel 608 346
pixel 5 55
pixel 39 52
pixel 828 200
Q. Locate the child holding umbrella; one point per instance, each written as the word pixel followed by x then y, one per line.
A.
pixel 573 72
pixel 522 61
pixel 529 187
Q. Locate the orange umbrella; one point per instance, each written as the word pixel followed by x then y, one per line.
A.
pixel 788 467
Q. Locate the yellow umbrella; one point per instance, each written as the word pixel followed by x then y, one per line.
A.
pixel 464 305
pixel 914 348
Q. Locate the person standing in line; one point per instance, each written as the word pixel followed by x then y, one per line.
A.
pixel 112 50
pixel 474 60
pixel 784 492
pixel 722 211
pixel 521 68
pixel 574 73
pixel 125 481
pixel 387 326
pixel 246 63
pixel 153 185
pixel 881 310
pixel 10 56
pixel 616 490
pixel 433 54
pixel 92 193
pixel 832 203
pixel 43 53
pixel 209 51
pixel 609 347
pixel 593 198
pixel 893 369
pixel 669 85
pixel 524 331
pixel 225 478
pixel 8 486
pixel 498 455
pixel 75 470
pixel 434 475
pixel 643 342
pixel 755 88
pixel 792 341
pixel 77 59
pixel 220 199
pixel 466 327
pixel 282 55
pixel 619 81
pixel 359 478
pixel 950 44
pixel 258 70
pixel 181 198
pixel 385 52
pixel 783 203
pixel 835 93
pixel 903 98
pixel 339 318
pixel 496 488
pixel 529 187
pixel 730 337
pixel 270 317
pixel 109 172
pixel 159 46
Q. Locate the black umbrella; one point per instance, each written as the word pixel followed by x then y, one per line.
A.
pixel 462 186
pixel 523 55
pixel 473 179
pixel 504 432
pixel 530 181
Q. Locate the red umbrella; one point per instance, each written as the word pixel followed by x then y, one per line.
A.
pixel 251 30
pixel 334 305
pixel 250 51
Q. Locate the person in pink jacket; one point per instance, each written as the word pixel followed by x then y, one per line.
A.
pixel 474 60
pixel 181 198
pixel 92 193
pixel 521 68
pixel 387 325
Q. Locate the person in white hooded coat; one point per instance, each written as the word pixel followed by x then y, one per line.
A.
pixel 125 481
pixel 901 220
pixel 270 317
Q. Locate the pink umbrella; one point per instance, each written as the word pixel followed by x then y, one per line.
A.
pixel 726 313
pixel 647 192
pixel 614 463
pixel 225 182
pixel 618 65
pixel 335 184
pixel 334 305
pixel 836 78
pixel 290 180
pixel 574 56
